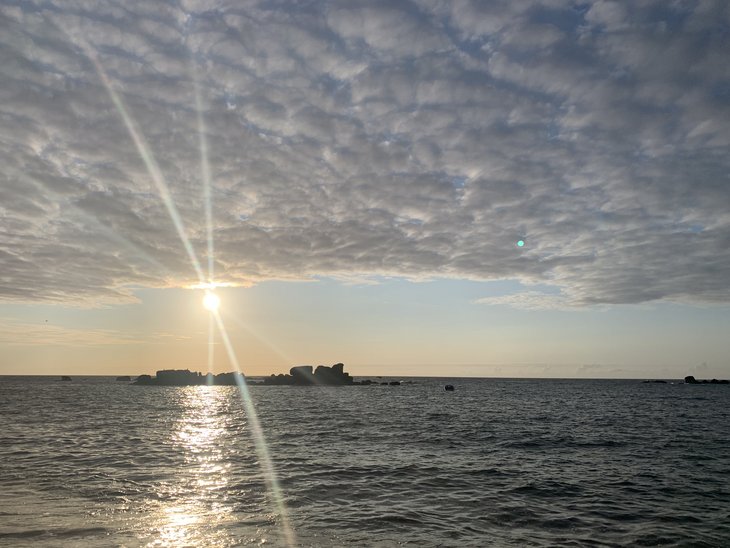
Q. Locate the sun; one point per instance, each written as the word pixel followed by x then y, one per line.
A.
pixel 211 301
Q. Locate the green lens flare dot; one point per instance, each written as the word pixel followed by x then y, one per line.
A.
pixel 520 243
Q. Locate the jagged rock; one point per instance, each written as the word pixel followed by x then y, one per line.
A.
pixel 226 379
pixel 306 375
pixel 144 380
pixel 301 375
pixel 689 379
pixel 331 376
pixel 183 377
pixel 178 377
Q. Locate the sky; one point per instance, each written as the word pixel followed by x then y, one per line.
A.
pixel 357 176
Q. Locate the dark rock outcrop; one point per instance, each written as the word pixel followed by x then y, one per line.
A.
pixel 184 377
pixel 224 379
pixel 65 378
pixel 689 379
pixel 144 380
pixel 306 375
pixel 302 375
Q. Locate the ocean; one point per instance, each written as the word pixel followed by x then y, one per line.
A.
pixel 496 462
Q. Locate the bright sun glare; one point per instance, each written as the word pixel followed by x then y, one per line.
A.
pixel 211 301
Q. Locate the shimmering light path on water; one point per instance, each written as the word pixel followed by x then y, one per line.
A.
pixel 494 463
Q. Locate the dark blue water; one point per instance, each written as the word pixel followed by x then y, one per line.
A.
pixel 96 462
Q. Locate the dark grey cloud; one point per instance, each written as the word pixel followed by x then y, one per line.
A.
pixel 358 139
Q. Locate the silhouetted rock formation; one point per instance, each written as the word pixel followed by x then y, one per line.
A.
pixel 449 387
pixel 183 377
pixel 689 379
pixel 65 378
pixel 303 375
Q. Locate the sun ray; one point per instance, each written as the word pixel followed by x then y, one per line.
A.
pixel 211 304
pixel 152 167
pixel 259 337
pixel 257 434
pixel 204 172
pixel 98 226
pixel 143 149
pixel 211 346
pixel 160 183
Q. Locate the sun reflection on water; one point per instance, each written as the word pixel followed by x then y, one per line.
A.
pixel 197 512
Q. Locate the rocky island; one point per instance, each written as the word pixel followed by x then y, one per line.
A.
pixel 302 375
pixel 689 379
pixel 184 377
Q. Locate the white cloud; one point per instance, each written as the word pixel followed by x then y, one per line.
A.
pixel 18 333
pixel 356 140
pixel 530 300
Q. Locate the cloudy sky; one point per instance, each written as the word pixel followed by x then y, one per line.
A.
pixel 372 166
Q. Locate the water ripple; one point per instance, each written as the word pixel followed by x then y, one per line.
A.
pixel 495 463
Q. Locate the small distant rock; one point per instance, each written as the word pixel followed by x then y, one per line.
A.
pixel 65 378
pixel 394 383
pixel 449 387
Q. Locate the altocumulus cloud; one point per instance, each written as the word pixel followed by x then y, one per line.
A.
pixel 361 139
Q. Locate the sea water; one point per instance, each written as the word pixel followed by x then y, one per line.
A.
pixel 496 462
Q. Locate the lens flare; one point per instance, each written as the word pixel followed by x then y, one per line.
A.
pixel 204 170
pixel 148 158
pixel 257 433
pixel 211 301
pixel 211 349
